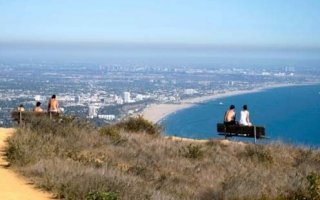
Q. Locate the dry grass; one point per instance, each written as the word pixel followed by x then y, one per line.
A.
pixel 75 160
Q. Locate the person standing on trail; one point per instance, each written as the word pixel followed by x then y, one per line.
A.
pixel 53 105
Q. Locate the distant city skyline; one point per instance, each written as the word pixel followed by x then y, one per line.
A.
pixel 233 24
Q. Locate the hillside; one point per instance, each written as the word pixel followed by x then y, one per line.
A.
pixel 132 160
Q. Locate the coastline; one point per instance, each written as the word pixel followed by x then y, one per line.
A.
pixel 157 112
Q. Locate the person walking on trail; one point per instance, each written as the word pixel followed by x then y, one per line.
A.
pixel 244 117
pixel 38 109
pixel 53 105
pixel 230 116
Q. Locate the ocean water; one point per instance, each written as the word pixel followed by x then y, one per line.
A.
pixel 289 114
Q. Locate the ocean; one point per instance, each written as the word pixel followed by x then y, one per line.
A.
pixel 289 114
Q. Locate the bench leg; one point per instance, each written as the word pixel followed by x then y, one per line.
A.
pixel 20 117
pixel 255 134
pixel 225 133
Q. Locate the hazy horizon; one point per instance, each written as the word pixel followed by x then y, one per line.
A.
pixel 232 22
pixel 229 33
pixel 163 54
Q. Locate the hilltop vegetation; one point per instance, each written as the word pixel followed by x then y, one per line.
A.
pixel 131 160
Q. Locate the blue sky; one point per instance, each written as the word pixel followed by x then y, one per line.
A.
pixel 268 23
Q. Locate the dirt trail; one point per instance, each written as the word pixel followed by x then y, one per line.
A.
pixel 13 187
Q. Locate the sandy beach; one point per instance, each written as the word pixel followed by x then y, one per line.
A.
pixel 157 112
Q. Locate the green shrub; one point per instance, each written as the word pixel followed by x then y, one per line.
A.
pixel 15 153
pixel 303 156
pixel 62 126
pixel 212 143
pixel 314 185
pixel 102 196
pixel 113 132
pixel 139 124
pixel 259 153
pixel 311 192
pixel 193 151
pixel 18 148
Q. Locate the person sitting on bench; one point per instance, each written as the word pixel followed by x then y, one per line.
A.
pixel 20 108
pixel 38 109
pixel 244 117
pixel 230 116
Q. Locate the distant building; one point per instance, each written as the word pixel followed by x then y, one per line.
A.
pixel 119 100
pixel 92 112
pixel 230 83
pixel 172 98
pixel 279 74
pixel 139 97
pixel 77 99
pixel 107 117
pixel 266 74
pixel 39 98
pixel 126 97
pixel 190 91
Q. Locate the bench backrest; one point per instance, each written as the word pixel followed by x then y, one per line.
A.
pixel 243 130
pixel 27 116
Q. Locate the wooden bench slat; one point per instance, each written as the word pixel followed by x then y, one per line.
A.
pixel 242 131
pixel 27 116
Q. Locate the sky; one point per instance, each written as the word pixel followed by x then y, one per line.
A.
pixel 272 23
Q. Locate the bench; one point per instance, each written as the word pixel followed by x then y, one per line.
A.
pixel 256 132
pixel 27 116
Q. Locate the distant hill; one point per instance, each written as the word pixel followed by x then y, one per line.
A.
pixel 132 160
